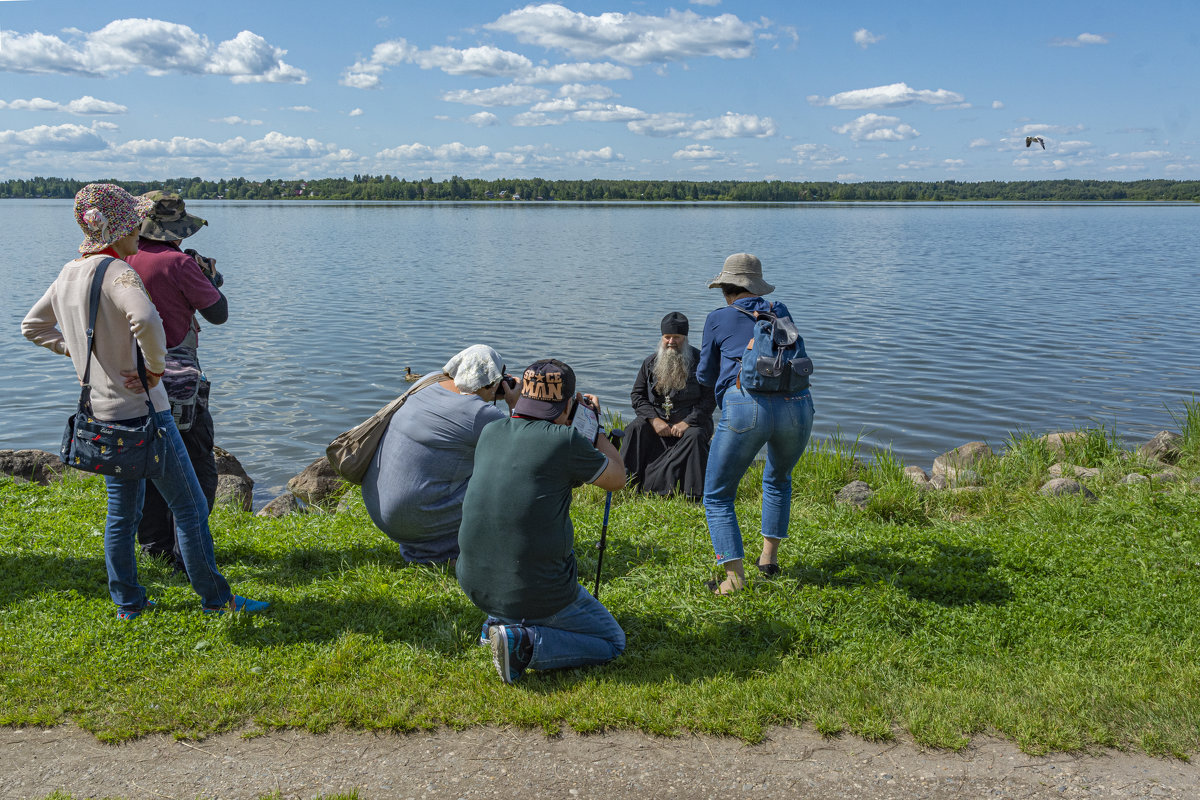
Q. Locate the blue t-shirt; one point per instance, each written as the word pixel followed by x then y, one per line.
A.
pixel 414 487
pixel 727 331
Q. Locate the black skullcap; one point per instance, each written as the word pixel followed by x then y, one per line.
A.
pixel 675 323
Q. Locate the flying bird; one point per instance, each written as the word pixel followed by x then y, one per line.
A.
pixel 1031 139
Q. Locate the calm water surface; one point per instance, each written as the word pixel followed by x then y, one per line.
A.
pixel 929 325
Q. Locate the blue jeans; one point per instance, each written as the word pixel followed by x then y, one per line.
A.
pixel 749 421
pixel 182 492
pixel 583 633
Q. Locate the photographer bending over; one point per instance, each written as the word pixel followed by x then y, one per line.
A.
pixel 518 544
pixel 414 487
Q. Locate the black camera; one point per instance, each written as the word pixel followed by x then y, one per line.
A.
pixel 504 385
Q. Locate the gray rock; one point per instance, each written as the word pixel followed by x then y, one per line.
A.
pixel 236 490
pixel 281 506
pixel 856 493
pixel 32 465
pixel 318 485
pixel 227 463
pixel 966 489
pixel 1066 470
pixel 1062 486
pixel 1163 447
pixel 1057 442
pixel 1168 476
pixel 916 475
pixel 963 478
pixel 1135 477
pixel 939 482
pixel 1195 482
pixel 962 457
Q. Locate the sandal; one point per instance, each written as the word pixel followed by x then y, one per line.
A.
pixel 768 570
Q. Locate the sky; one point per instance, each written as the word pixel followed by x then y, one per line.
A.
pixel 689 90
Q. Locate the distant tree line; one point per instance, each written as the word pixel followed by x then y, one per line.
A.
pixel 389 187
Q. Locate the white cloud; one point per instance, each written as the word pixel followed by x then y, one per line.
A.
pixel 576 73
pixel 997 104
pixel 483 119
pixel 507 95
pixel 893 95
pixel 236 120
pixel 1150 154
pixel 69 137
pixel 581 91
pixel 357 112
pixel 975 143
pixel 86 106
pixel 301 109
pixel 705 2
pixel 630 38
pixel 954 163
pixel 698 152
pixel 864 38
pixel 603 154
pixel 877 128
pixel 818 155
pixel 484 61
pixel 154 46
pixel 727 126
pixel 1080 41
pixel 533 119
pixel 607 112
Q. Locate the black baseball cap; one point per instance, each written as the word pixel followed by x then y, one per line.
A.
pixel 546 389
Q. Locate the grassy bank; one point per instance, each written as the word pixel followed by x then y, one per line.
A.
pixel 1060 623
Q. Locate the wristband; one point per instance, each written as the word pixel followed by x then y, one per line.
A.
pixel 155 374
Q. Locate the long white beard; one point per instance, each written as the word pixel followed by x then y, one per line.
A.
pixel 671 368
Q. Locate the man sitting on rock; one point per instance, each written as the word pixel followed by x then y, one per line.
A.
pixel 667 445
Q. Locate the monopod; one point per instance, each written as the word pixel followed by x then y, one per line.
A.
pixel 614 436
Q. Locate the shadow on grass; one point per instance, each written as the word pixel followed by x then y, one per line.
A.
pixel 949 576
pixel 26 575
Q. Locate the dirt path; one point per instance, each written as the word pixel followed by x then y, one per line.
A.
pixel 507 763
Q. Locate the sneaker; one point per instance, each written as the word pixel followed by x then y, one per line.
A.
pixel 485 634
pixel 126 615
pixel 512 650
pixel 239 604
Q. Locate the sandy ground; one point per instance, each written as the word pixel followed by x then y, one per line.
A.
pixel 506 763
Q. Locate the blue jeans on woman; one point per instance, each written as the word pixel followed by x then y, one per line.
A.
pixel 750 420
pixel 581 634
pixel 181 490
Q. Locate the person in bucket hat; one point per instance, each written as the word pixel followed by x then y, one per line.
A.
pixel 110 219
pixel 180 283
pixel 517 545
pixel 749 420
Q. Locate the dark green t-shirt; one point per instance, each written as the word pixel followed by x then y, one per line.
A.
pixel 517 544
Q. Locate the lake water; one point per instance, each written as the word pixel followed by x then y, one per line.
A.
pixel 929 325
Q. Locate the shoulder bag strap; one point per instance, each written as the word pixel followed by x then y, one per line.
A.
pixel 85 394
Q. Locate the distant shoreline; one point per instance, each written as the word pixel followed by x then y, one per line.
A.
pixel 364 188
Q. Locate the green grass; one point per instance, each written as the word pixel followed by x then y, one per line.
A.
pixel 1058 623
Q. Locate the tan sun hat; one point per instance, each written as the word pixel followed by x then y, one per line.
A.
pixel 745 270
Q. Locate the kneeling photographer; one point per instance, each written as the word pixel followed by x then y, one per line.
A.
pixel 518 545
pixel 414 486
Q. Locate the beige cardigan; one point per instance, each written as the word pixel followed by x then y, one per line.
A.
pixel 59 321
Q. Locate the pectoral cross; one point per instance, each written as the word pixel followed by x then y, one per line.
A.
pixel 668 405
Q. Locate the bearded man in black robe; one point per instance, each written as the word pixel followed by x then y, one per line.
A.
pixel 666 447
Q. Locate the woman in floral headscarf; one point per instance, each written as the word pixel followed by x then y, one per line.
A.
pixel 414 487
pixel 110 219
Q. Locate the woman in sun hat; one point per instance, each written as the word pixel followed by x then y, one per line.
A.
pixel 110 219
pixel 414 487
pixel 749 420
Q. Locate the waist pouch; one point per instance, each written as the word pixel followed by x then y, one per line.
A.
pixel 186 386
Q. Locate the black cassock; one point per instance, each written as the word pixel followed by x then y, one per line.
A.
pixel 666 464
